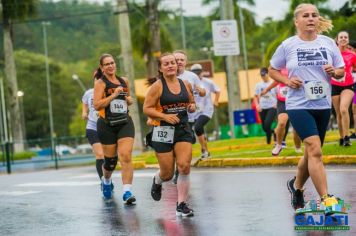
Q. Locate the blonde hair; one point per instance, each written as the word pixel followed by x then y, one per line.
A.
pixel 325 25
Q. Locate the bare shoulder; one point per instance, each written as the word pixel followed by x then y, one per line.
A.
pixel 125 79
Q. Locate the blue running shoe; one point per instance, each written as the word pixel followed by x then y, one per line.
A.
pixel 284 144
pixel 128 198
pixel 107 190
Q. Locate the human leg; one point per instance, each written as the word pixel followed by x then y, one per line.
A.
pixel 346 97
pixel 183 152
pixel 199 130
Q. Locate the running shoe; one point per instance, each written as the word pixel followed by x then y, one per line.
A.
pixel 298 150
pixel 341 142
pixel 284 144
pixel 347 142
pixel 276 150
pixel 329 200
pixel 205 155
pixel 184 210
pixel 156 190
pixel 128 198
pixel 107 189
pixel 353 137
pixel 297 197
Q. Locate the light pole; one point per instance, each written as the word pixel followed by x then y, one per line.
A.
pixel 75 77
pixel 50 113
pixel 20 95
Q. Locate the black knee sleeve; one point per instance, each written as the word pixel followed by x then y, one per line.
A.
pixel 110 163
pixel 199 129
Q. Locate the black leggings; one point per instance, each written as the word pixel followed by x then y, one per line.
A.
pixel 267 117
pixel 200 123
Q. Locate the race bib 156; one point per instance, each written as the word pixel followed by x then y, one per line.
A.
pixel 315 90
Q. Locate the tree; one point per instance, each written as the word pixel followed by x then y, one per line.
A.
pixel 14 11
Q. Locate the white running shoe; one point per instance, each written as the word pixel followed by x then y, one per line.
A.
pixel 205 155
pixel 276 150
pixel 298 150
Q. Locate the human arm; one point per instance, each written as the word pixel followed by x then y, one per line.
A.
pixel 85 111
pixel 336 73
pixel 192 106
pixel 128 98
pixel 271 86
pixel 100 101
pixel 277 75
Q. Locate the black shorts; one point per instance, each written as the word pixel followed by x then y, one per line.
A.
pixel 281 107
pixel 310 122
pixel 92 136
pixel 337 90
pixel 110 134
pixel 181 134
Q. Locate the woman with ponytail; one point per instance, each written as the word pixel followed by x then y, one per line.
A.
pixel 115 127
pixel 312 60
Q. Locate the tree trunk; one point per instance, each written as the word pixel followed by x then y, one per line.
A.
pixel 126 52
pixel 154 50
pixel 11 79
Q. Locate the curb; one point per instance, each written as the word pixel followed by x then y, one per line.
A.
pixel 258 161
pixel 268 161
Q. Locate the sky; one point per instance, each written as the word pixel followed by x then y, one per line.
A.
pixel 263 8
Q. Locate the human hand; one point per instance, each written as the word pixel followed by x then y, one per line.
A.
pixel 171 118
pixel 294 83
pixel 330 70
pixel 192 107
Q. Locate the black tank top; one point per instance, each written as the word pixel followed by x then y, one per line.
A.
pixel 110 88
pixel 175 103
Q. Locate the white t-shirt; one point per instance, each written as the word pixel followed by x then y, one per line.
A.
pixel 87 99
pixel 269 100
pixel 305 60
pixel 194 81
pixel 204 104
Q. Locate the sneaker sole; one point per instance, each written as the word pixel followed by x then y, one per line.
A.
pixel 291 193
pixel 131 200
pixel 184 215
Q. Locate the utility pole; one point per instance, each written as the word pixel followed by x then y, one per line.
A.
pixel 245 55
pixel 15 133
pixel 126 52
pixel 231 64
pixel 154 50
pixel 182 25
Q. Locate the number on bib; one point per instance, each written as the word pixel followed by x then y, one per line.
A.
pixel 315 90
pixel 163 134
pixel 118 106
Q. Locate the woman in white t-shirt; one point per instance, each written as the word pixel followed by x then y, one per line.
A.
pixel 91 116
pixel 311 60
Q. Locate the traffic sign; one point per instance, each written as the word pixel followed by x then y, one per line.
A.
pixel 225 38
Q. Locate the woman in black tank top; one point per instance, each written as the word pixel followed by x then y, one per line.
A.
pixel 115 127
pixel 168 101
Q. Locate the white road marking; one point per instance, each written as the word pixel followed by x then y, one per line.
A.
pixel 18 193
pixel 56 184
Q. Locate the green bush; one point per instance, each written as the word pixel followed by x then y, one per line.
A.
pixel 21 155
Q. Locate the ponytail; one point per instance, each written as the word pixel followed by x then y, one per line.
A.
pixel 325 25
pixel 98 73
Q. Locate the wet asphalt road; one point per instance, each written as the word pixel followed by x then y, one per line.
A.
pixel 230 201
